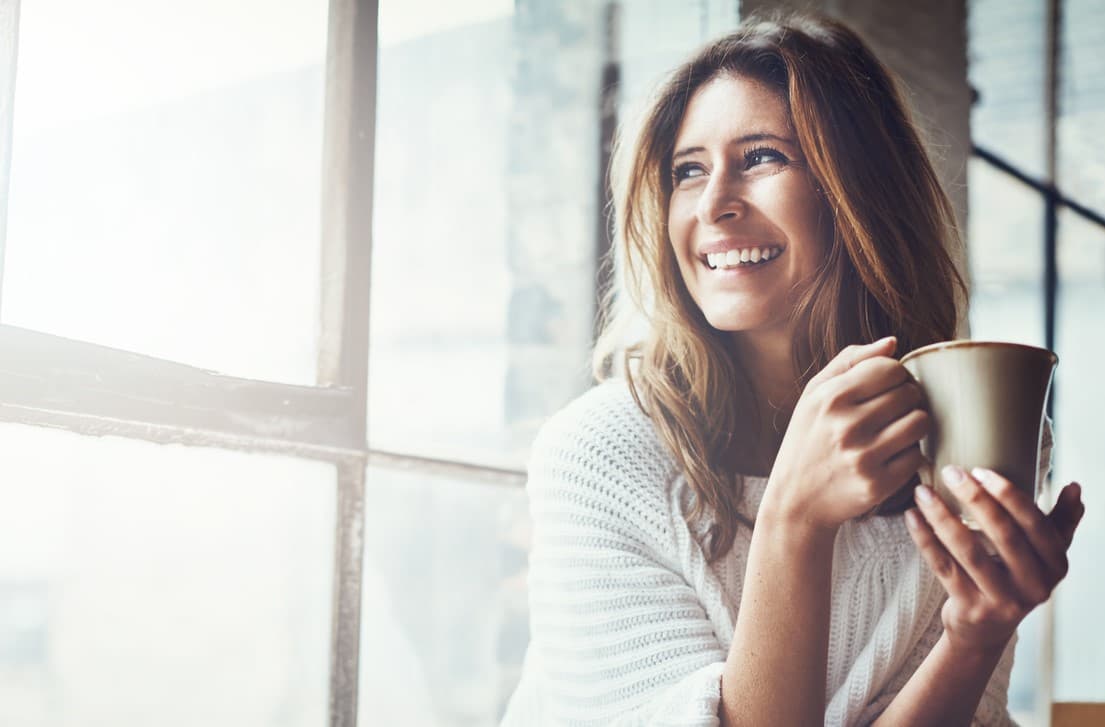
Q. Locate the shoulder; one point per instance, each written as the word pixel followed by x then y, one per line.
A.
pixel 601 454
pixel 604 425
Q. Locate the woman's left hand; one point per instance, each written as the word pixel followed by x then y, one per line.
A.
pixel 988 596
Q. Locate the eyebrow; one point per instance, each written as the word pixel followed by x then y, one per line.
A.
pixel 740 140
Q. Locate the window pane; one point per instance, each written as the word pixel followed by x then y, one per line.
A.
pixel 165 180
pixel 1080 399
pixel 1007 69
pixel 485 224
pixel 444 624
pixel 1081 157
pixel 1006 253
pixel 161 585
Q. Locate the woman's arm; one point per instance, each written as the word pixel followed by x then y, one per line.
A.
pixel 945 690
pixel 851 442
pixel 775 670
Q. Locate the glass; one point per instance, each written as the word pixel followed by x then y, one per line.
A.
pixel 444 620
pixel 657 35
pixel 1007 69
pixel 1006 256
pixel 1080 398
pixel 165 180
pixel 486 211
pixel 1081 157
pixel 143 584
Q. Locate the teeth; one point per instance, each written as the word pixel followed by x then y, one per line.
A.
pixel 747 256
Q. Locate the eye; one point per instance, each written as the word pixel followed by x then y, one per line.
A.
pixel 764 155
pixel 687 170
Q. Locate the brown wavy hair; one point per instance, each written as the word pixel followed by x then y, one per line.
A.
pixel 887 269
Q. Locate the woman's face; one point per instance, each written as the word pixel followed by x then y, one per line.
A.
pixel 745 220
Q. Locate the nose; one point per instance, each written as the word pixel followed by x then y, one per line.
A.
pixel 720 200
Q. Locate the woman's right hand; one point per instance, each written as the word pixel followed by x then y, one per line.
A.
pixel 853 439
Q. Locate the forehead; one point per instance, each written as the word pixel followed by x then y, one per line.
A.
pixel 731 107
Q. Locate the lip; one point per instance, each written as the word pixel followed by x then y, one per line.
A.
pixel 735 243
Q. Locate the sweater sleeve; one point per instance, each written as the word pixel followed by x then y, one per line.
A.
pixel 992 709
pixel 618 637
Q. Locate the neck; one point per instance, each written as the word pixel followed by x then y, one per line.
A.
pixel 766 358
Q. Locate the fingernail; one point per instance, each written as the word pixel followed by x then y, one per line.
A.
pixel 985 477
pixel 923 493
pixel 953 475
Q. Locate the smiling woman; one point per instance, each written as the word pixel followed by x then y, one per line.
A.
pixel 704 550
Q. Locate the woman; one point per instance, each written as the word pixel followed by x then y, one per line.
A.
pixel 719 534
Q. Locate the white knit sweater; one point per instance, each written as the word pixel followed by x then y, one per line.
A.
pixel 630 625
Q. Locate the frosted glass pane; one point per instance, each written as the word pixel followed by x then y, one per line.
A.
pixel 444 620
pixel 165 190
pixel 485 223
pixel 1007 68
pixel 1005 245
pixel 1081 157
pixel 161 585
pixel 1080 399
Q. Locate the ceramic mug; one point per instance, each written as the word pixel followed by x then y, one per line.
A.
pixel 987 403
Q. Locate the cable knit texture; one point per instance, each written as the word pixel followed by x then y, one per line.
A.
pixel 631 626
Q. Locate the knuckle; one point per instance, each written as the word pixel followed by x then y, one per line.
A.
pixel 1011 613
pixel 1006 532
pixel 978 613
pixel 976 558
pixel 1037 594
pixel 867 464
pixel 943 566
pixel 1063 566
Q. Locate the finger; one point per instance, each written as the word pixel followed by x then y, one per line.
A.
pixel 943 565
pixel 873 376
pixel 879 411
pixel 1030 571
pixel 851 355
pixel 1042 533
pixel 964 546
pixel 1068 512
pixel 904 465
pixel 901 434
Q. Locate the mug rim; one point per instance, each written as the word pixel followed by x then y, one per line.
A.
pixel 969 343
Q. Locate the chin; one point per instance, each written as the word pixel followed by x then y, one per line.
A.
pixel 730 321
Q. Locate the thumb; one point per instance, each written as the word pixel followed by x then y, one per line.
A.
pixel 852 355
pixel 1068 511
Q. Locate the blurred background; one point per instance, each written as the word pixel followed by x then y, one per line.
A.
pixel 190 193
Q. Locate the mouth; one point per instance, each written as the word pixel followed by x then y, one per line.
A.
pixel 748 257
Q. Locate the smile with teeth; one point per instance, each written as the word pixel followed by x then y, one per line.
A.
pixel 742 258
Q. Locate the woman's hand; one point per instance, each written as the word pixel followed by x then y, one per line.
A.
pixel 989 596
pixel 853 439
